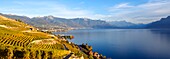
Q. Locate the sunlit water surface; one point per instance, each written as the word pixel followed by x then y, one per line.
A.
pixel 126 43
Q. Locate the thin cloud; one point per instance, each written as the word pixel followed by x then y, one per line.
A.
pixel 44 8
pixel 144 13
pixel 122 6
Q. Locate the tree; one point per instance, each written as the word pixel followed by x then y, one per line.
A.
pixel 19 20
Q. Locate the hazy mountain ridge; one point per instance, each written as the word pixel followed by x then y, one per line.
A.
pixel 162 23
pixel 121 23
pixel 73 23
pixel 85 23
pixel 51 21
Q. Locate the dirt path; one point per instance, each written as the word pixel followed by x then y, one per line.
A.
pixel 45 41
pixel 3 26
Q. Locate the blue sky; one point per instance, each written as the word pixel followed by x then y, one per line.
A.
pixel 137 11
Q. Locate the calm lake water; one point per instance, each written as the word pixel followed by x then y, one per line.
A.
pixel 126 43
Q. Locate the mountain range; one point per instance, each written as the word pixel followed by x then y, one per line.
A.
pixel 121 23
pixel 55 22
pixel 162 23
pixel 51 22
pixel 127 25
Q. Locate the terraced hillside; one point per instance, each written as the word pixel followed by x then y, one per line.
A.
pixel 22 41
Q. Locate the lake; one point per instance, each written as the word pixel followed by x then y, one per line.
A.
pixel 126 43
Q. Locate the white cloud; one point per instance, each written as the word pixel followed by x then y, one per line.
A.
pixel 44 8
pixel 122 6
pixel 153 1
pixel 144 13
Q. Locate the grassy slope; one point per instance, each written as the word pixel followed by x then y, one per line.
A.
pixel 16 44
